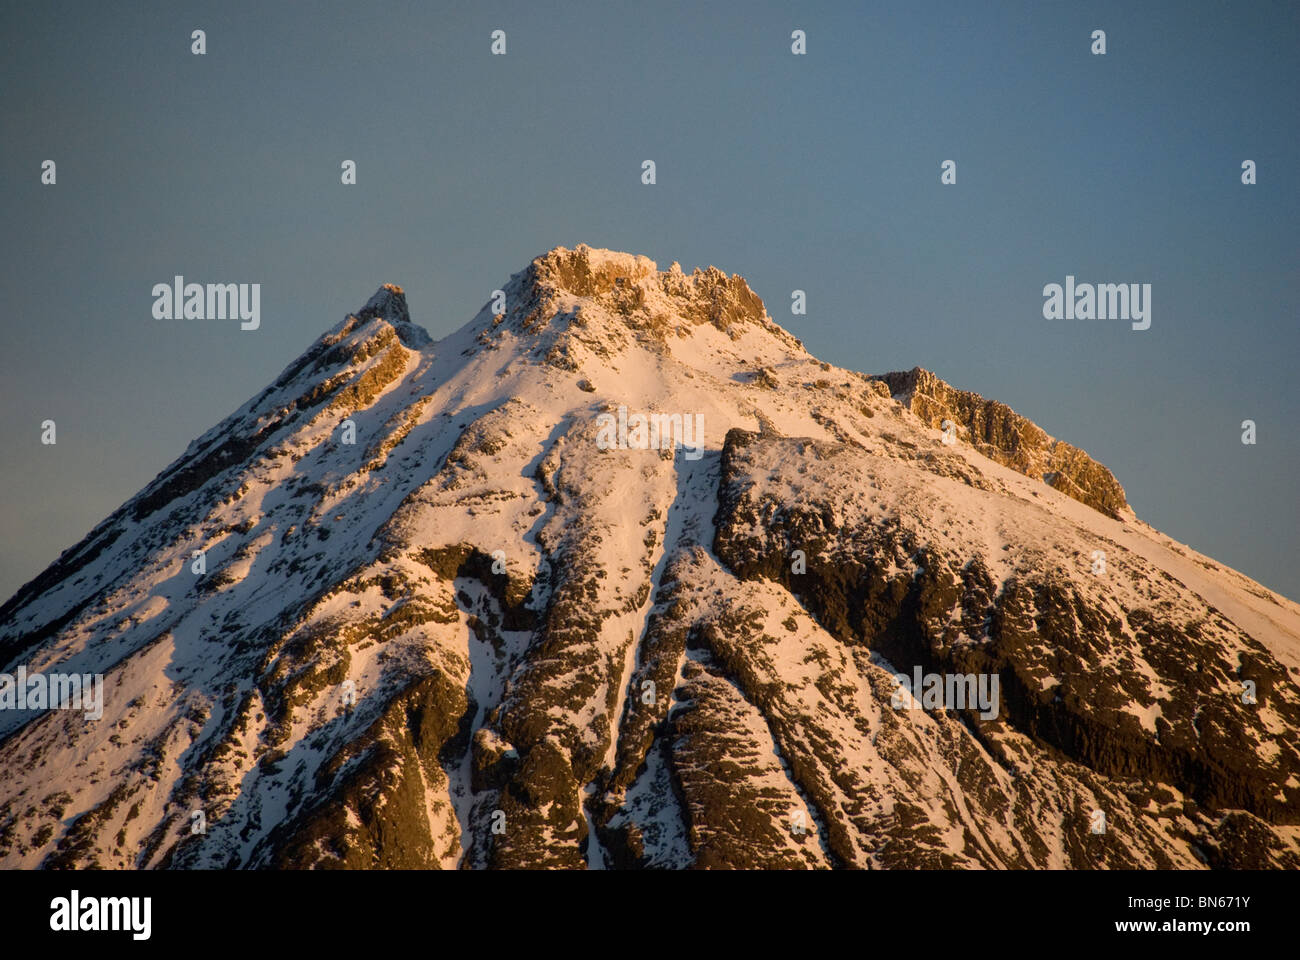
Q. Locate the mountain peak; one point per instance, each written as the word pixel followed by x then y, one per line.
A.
pixel 589 271
pixel 401 590
pixel 631 281
pixel 606 300
pixel 388 303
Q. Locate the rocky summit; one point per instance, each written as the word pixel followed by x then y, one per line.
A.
pixel 404 608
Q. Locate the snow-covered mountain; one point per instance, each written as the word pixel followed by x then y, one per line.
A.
pixel 453 611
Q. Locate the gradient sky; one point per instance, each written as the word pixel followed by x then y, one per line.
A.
pixel 818 172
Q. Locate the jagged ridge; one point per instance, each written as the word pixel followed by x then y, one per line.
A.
pixel 1003 435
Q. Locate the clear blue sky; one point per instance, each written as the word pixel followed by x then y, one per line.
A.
pixel 818 172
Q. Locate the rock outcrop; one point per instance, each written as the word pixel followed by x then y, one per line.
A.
pixel 1001 434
